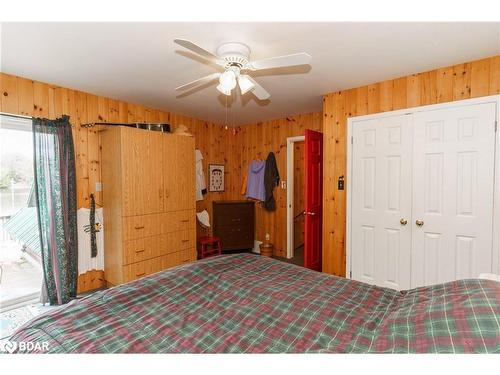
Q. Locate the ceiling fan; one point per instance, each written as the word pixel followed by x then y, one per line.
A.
pixel 234 58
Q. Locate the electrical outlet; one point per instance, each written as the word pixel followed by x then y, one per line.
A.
pixel 268 237
pixel 98 186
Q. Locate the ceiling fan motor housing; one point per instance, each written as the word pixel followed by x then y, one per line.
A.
pixel 234 54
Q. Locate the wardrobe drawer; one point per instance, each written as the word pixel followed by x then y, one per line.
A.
pixel 141 249
pixel 178 258
pixel 137 270
pixel 140 226
pixel 176 241
pixel 177 220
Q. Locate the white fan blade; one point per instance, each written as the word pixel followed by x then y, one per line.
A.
pixel 198 82
pixel 258 90
pixel 282 61
pixel 245 84
pixel 198 50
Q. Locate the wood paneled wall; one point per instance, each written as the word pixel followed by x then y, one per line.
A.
pixel 462 81
pixel 255 141
pixel 32 98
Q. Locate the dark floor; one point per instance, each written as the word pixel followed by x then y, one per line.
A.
pixel 298 257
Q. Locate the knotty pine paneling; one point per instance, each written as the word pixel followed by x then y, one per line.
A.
pixel 32 98
pixel 255 141
pixel 461 81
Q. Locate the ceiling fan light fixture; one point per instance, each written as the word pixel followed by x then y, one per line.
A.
pixel 228 79
pixel 224 90
pixel 245 85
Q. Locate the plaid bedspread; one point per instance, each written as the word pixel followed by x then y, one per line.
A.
pixel 252 304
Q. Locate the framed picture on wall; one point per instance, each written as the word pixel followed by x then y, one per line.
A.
pixel 216 177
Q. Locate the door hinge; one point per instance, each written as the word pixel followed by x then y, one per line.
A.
pixel 496 126
pixel 350 274
pixel 352 140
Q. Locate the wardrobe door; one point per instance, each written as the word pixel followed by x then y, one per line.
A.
pixel 453 164
pixel 179 173
pixel 381 201
pixel 142 176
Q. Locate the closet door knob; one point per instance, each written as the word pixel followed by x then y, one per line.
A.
pixel 419 222
pixel 403 221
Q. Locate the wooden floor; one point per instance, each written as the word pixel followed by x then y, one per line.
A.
pixel 298 257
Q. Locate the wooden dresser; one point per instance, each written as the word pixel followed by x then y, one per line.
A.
pixel 234 224
pixel 149 202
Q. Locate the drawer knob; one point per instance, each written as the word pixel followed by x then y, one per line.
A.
pixel 139 227
pixel 185 240
pixel 140 251
pixel 140 274
pixel 185 221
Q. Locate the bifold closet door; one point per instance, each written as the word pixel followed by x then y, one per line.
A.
pixel 453 164
pixel 381 201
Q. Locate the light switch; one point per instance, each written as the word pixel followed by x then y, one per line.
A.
pixel 98 186
pixel 283 184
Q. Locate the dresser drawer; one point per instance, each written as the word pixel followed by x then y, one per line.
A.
pixel 176 241
pixel 140 226
pixel 177 220
pixel 178 258
pixel 147 267
pixel 137 270
pixel 141 249
pixel 235 237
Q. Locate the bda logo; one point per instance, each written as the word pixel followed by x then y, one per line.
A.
pixel 8 346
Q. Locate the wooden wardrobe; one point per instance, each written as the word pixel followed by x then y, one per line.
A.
pixel 148 181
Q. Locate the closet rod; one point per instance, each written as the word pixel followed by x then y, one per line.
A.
pixel 15 116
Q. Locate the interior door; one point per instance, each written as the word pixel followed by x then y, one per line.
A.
pixel 313 205
pixel 381 201
pixel 142 156
pixel 453 176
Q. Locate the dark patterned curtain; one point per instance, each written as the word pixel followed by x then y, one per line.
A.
pixel 55 191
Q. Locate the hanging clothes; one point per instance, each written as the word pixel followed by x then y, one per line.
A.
pixel 271 179
pixel 86 261
pixel 255 179
pixel 201 187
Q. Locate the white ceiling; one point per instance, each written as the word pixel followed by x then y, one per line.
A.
pixel 138 62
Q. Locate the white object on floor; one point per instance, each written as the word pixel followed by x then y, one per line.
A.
pixel 256 246
pixel 85 260
pixel 490 276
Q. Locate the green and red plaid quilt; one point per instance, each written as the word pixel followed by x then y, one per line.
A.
pixel 246 303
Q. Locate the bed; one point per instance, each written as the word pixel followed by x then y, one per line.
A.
pixel 245 303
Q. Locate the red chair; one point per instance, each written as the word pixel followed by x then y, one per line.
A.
pixel 209 246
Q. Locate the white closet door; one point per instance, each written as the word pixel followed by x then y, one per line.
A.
pixel 453 171
pixel 380 199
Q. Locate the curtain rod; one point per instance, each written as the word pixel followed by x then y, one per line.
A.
pixel 16 116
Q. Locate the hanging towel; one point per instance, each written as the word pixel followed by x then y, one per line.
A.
pixel 271 179
pixel 255 186
pixel 85 260
pixel 201 187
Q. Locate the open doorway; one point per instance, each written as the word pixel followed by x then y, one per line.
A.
pixel 20 258
pixel 295 198
pixel 305 199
